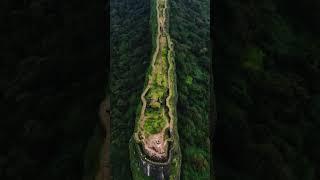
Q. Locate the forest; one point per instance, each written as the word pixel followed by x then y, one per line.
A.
pixel 131 51
pixel 266 73
pixel 190 31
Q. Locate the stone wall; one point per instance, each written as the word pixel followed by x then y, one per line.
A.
pixel 156 170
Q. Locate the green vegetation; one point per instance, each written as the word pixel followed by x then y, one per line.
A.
pixel 156 117
pixel 155 113
pixel 155 121
pixel 197 164
pixel 164 52
pixel 189 80
pixel 189 29
pixel 131 48
pixel 156 96
pixel 161 83
pixel 153 25
pixel 134 161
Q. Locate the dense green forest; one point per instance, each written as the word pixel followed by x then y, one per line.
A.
pixel 190 30
pixel 267 87
pixel 131 46
pixel 53 77
pixel 131 55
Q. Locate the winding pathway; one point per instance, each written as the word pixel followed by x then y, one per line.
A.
pixel 154 140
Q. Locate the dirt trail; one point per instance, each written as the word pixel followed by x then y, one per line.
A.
pixel 144 102
pixel 156 145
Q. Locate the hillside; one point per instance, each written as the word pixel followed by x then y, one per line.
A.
pixel 190 31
